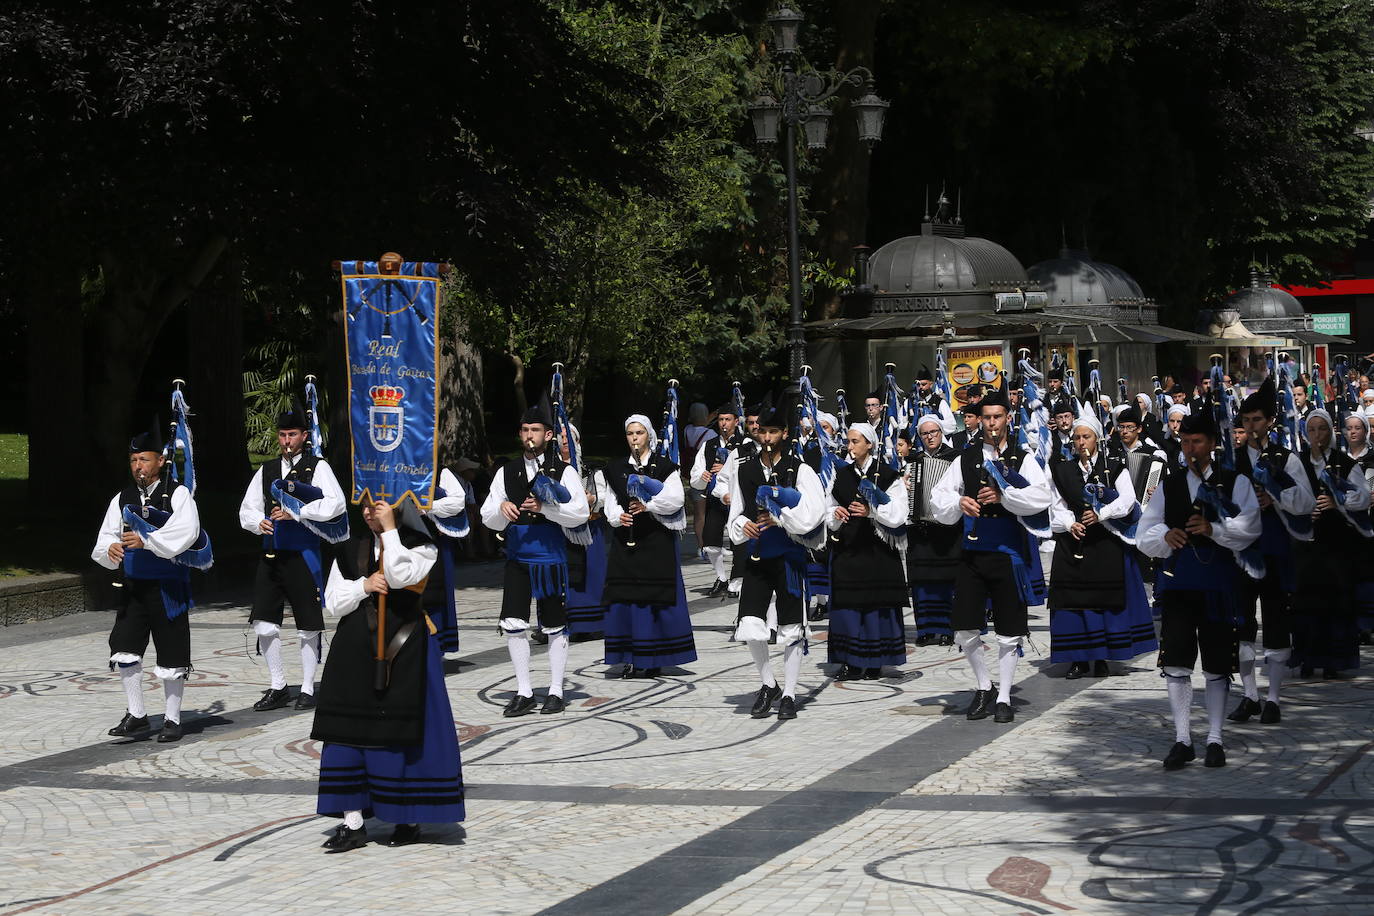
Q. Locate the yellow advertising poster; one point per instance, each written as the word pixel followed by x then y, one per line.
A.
pixel 976 363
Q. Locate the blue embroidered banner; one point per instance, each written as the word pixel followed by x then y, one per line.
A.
pixel 393 371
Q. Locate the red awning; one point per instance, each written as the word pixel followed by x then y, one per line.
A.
pixel 1361 287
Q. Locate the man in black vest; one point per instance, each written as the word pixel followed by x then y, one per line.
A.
pixel 932 556
pixel 710 461
pixel 1283 492
pixel 286 503
pixel 930 399
pixel 1198 581
pixel 971 434
pixel 995 565
pixel 773 572
pixel 539 504
pixel 148 527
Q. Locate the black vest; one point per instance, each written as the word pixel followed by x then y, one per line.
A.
pixel 647 572
pixel 1178 507
pixel 350 711
pixel 160 500
pixel 1330 528
pixel 518 487
pixel 864 572
pixel 751 476
pixel 302 472
pixel 975 477
pixel 1087 574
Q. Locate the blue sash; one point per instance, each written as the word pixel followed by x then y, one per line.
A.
pixel 541 547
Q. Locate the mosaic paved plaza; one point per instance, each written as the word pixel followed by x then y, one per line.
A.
pixel 664 796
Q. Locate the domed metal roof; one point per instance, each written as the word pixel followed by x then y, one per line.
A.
pixel 1260 300
pixel 1074 278
pixel 932 263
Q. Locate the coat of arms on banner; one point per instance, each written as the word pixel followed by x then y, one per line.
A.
pixel 386 418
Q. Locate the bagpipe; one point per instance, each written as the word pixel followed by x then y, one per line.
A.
pixel 144 520
pixel 1161 401
pixel 1033 432
pixel 841 411
pixel 772 498
pixel 942 377
pixel 1214 505
pixel 1287 406
pixel 1224 410
pixel 1095 392
pixel 1340 489
pixel 1003 476
pixel 811 409
pixel 1096 496
pixel 642 487
pixel 894 416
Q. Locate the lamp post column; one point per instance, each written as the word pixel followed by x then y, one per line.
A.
pixel 796 335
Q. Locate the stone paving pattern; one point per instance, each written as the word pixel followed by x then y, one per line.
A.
pixel 664 796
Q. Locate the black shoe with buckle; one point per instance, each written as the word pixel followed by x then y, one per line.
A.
pixel 1179 756
pixel 128 726
pixel 1216 756
pixel 553 703
pixel 273 699
pixel 345 839
pixel 171 731
pixel 763 703
pixel 404 835
pixel 978 709
pixel 305 701
pixel 787 708
pixel 518 706
pixel 847 673
pixel 1245 710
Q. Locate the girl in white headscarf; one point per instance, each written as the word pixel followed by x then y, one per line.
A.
pixel 1098 608
pixel 647 625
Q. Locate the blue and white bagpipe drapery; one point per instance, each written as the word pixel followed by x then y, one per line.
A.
pixel 841 413
pixel 873 497
pixel 1033 432
pixel 1251 559
pixel 942 377
pixel 1161 400
pixel 1341 488
pixel 1274 480
pixel 810 405
pixel 173 576
pixel 1288 408
pixel 737 398
pixel 894 417
pixel 1004 477
pixel 182 438
pixel 667 438
pixel 581 534
pixel 312 410
pixel 1098 495
pixel 393 358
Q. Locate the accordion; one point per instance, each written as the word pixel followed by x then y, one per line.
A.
pixel 924 475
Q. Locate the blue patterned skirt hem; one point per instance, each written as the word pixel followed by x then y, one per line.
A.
pixel 869 638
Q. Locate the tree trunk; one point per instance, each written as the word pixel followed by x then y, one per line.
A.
pixel 215 385
pixel 841 189
pixel 462 427
pixel 63 471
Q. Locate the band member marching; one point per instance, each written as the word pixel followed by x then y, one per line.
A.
pixel 706 469
pixel 389 750
pixel 648 626
pixel 777 509
pixel 294 503
pixel 932 554
pixel 1196 523
pixel 151 532
pixel 867 512
pixel 1000 492
pixel 539 504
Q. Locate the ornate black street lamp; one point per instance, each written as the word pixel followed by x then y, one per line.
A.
pixel 804 93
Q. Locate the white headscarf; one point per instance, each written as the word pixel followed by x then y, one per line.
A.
pixel 1321 413
pixel 867 431
pixel 830 418
pixel 648 427
pixel 1363 417
pixel 930 418
pixel 1087 421
pixel 1182 410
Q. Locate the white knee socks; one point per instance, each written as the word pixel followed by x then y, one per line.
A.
pixel 1180 702
pixel 759 650
pixel 519 646
pixel 970 642
pixel 1217 687
pixel 131 676
pixel 716 557
pixel 791 668
pixel 1273 666
pixel 1248 681
pixel 174 688
pixel 269 644
pixel 558 661
pixel 310 659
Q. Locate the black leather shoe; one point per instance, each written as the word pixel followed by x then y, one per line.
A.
pixel 129 725
pixel 946 640
pixel 1101 668
pixel 404 835
pixel 1216 756
pixel 171 731
pixel 763 703
pixel 1076 670
pixel 847 673
pixel 626 672
pixel 1179 756
pixel 787 708
pixel 273 699
pixel 305 701
pixel 1245 710
pixel 982 699
pixel 539 636
pixel 344 839
pixel 1004 713
pixel 518 706
pixel 718 589
pixel 1271 714
pixel 552 704
pixel 873 674
pixel 924 640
